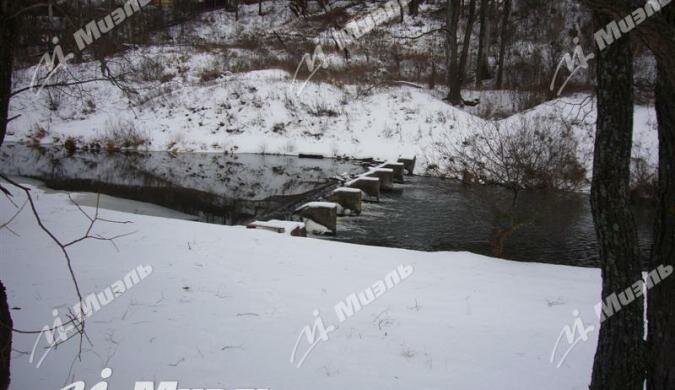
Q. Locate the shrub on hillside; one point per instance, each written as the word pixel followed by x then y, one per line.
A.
pixel 123 134
pixel 532 154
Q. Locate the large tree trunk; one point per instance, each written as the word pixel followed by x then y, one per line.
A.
pixel 5 339
pixel 482 64
pixel 618 359
pixel 506 12
pixel 454 89
pixel 467 41
pixel 661 306
pixel 7 38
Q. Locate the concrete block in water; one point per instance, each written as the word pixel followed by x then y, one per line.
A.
pixel 348 198
pixel 386 176
pixel 398 168
pixel 369 185
pixel 409 163
pixel 323 213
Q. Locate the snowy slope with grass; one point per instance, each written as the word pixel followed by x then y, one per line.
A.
pixel 224 306
pixel 218 84
pixel 262 112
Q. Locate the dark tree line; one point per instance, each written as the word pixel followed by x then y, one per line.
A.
pixel 457 61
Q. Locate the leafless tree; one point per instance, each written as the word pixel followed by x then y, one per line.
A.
pixel 482 64
pixel 77 319
pixel 471 18
pixel 530 155
pixel 503 42
pixel 452 20
pixel 11 13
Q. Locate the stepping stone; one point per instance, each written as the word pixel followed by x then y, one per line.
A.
pixel 409 163
pixel 369 185
pixel 348 198
pixel 322 213
pixel 386 176
pixel 398 168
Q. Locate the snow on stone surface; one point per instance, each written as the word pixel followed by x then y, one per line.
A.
pixel 347 189
pixel 366 178
pixel 319 205
pixel 224 306
pixel 287 226
pixel 378 169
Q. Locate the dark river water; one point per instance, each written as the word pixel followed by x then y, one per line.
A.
pixel 433 214
pixel 215 187
pixel 427 214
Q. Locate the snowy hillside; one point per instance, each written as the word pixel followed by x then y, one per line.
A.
pixel 261 112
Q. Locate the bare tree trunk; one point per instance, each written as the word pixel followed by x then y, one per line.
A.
pixel 498 239
pixel 454 89
pixel 467 41
pixel 7 40
pixel 482 65
pixel 658 33
pixel 401 11
pixel 260 7
pixel 5 339
pixel 414 7
pixel 661 304
pixel 619 359
pixel 506 12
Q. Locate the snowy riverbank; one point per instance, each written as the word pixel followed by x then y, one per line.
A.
pixel 224 306
pixel 261 112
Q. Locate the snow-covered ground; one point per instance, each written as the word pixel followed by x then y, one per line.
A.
pixel 224 306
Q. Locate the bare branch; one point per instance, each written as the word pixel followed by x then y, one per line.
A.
pixel 442 29
pixel 6 224
pixel 64 84
pixel 77 319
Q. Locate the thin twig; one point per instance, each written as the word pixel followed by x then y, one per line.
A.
pixel 442 29
pixel 77 319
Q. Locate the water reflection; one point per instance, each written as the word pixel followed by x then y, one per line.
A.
pixel 426 214
pixel 432 214
pixel 219 188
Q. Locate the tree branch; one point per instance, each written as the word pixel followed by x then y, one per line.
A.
pixel 78 318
